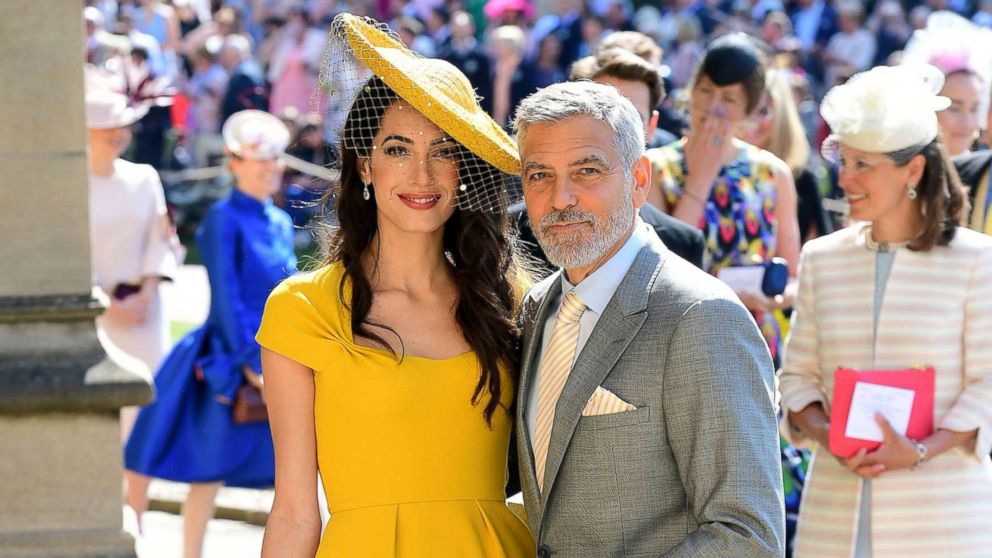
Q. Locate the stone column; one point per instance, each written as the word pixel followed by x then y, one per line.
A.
pixel 60 454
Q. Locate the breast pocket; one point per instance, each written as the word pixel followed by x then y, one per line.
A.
pixel 615 420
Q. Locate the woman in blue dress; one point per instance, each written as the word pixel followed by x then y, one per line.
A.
pixel 188 434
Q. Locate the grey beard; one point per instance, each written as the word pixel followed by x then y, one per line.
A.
pixel 582 248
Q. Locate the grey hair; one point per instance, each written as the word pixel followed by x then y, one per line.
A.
pixel 238 43
pixel 562 101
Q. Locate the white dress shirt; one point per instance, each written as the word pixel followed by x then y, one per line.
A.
pixel 595 291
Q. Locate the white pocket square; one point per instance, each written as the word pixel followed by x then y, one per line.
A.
pixel 605 402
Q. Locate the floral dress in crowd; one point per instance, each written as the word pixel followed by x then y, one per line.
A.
pixel 739 220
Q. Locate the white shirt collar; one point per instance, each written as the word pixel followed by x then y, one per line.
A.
pixel 598 287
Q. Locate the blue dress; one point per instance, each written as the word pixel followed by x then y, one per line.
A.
pixel 188 434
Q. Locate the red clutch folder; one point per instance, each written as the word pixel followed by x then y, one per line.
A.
pixel 919 380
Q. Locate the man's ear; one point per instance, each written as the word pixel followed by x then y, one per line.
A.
pixel 642 180
pixel 652 126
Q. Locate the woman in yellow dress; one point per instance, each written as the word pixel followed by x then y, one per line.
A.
pixel 391 368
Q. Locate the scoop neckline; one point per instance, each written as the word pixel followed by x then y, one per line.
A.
pixel 385 353
pixel 350 334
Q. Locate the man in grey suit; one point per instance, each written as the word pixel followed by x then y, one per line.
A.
pixel 646 416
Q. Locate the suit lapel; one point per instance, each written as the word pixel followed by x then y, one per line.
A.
pixel 533 327
pixel 614 331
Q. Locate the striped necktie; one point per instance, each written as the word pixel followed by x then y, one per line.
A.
pixel 555 367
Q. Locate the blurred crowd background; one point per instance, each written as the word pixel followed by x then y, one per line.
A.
pixel 199 61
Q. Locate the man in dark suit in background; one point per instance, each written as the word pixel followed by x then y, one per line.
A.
pixel 469 56
pixel 640 82
pixel 973 169
pixel 246 86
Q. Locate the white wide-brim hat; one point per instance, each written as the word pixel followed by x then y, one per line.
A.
pixel 885 110
pixel 108 109
pixel 255 134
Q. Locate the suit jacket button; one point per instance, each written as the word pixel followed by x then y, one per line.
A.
pixel 543 552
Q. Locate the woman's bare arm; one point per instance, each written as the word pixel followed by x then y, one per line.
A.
pixel 293 528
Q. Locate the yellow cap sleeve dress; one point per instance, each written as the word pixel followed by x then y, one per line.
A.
pixel 409 466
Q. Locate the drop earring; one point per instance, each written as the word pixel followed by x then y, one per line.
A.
pixel 365 192
pixel 911 191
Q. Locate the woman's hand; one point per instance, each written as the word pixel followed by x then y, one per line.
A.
pixel 704 150
pixel 896 452
pixel 859 465
pixel 133 310
pixel 758 302
pixel 254 379
pixel 815 423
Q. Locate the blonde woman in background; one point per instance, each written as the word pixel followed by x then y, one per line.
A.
pixel 689 52
pixel 507 45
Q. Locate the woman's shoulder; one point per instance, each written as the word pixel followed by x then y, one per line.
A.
pixel 765 160
pixel 971 240
pixel 304 317
pixel 137 173
pixel 318 289
pixel 973 243
pixel 837 241
pixel 219 216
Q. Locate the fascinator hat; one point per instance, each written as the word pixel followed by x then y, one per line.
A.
pixel 954 44
pixel 254 134
pixel 363 54
pixel 107 107
pixel 888 109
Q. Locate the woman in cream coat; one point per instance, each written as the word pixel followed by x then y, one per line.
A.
pixel 132 243
pixel 902 288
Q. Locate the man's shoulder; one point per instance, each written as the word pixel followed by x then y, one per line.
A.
pixel 680 285
pixel 972 166
pixel 531 303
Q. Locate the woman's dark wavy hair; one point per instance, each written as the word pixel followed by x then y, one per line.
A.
pixel 941 196
pixel 478 244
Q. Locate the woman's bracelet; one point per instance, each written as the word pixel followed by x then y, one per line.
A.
pixel 694 197
pixel 921 453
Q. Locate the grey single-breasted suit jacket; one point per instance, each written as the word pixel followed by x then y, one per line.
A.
pixel 695 469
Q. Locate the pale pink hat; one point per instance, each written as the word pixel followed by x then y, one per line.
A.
pixel 107 109
pixel 494 9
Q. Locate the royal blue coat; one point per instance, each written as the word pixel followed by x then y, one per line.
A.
pixel 188 434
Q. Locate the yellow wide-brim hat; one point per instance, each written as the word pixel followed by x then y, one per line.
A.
pixel 435 88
